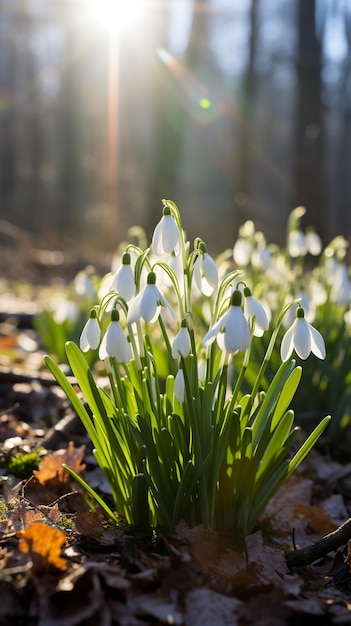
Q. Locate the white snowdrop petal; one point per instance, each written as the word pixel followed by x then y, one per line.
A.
pixel 156 242
pixel 83 341
pixel 215 329
pixel 317 342
pixel 93 333
pixel 313 243
pixel 162 299
pixel 170 234
pixel 302 338
pixel 237 331
pixel 296 243
pixel 254 308
pixel 102 350
pixel 179 386
pixel 125 282
pixel 210 271
pixel 149 307
pixel 242 252
pixel 287 345
pixel 134 308
pixel 181 344
pixel 197 274
pixel 206 288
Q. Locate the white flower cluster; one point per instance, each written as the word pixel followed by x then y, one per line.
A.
pixel 238 316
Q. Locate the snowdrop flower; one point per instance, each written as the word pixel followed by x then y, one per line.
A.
pixel 115 343
pixel 232 329
pixel 122 281
pixel 179 386
pixel 253 308
pixel 261 258
pixel 313 243
pixel 147 304
pixel 91 334
pixel 165 238
pixel 341 286
pixel 242 252
pixel 303 338
pixel 181 343
pixel 205 271
pixel 65 310
pixel 296 244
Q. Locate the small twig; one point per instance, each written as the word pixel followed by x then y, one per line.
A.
pixel 309 554
pixel 10 376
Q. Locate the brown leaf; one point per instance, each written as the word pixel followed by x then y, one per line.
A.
pixel 43 544
pixel 205 607
pixel 92 524
pixel 51 466
pixel 317 519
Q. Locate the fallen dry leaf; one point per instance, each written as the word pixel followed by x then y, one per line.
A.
pixel 43 544
pixel 50 467
pixel 317 519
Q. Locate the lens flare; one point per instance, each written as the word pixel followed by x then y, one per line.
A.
pixel 114 14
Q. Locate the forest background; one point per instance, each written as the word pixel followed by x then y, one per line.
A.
pixel 234 109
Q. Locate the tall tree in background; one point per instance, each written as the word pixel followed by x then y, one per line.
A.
pixel 168 113
pixel 245 122
pixel 182 84
pixel 308 175
pixel 69 132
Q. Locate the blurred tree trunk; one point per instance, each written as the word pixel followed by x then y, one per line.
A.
pixel 168 113
pixel 68 132
pixel 245 127
pixel 7 118
pixel 181 88
pixel 308 179
pixel 343 182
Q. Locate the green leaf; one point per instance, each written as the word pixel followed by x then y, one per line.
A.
pixel 91 492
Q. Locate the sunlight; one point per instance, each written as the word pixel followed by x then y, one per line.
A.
pixel 114 14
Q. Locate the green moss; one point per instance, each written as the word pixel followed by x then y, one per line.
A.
pixel 22 464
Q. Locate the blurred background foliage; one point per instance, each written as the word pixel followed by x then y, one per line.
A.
pixel 234 109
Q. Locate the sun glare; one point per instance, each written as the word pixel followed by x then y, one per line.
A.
pixel 114 14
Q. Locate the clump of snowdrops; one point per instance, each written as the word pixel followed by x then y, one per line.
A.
pixel 173 432
pixel 320 279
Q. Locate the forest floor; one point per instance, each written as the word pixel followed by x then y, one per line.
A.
pixel 61 563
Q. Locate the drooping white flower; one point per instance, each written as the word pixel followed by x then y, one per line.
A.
pixel 65 310
pixel 91 333
pixel 148 303
pixel 205 271
pixel 303 338
pixel 242 252
pixel 341 285
pixel 165 238
pixel 232 329
pixel 84 283
pixel 313 243
pixel 114 342
pixel 253 308
pixel 181 344
pixel 122 281
pixel 179 386
pixel 296 243
pixel 261 258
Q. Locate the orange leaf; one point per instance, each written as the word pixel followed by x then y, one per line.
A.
pixel 51 466
pixel 317 519
pixel 43 544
